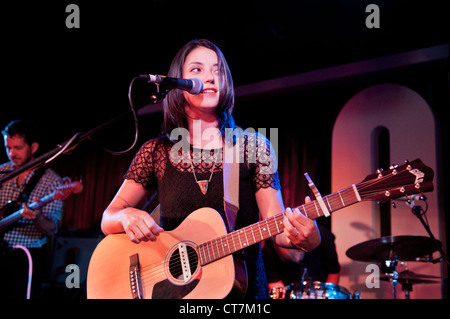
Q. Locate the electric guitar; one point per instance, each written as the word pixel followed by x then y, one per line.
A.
pixel 195 261
pixel 61 193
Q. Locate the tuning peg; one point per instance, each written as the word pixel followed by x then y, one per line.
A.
pixel 379 172
pixel 393 166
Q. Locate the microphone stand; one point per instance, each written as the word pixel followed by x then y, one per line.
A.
pixel 60 149
pixel 159 95
pixel 417 211
pixel 75 140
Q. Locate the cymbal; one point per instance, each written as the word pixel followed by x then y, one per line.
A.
pixel 409 277
pixel 404 248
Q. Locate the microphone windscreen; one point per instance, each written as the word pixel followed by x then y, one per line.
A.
pixel 197 86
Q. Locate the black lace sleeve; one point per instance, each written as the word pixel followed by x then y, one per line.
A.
pixel 261 153
pixel 148 164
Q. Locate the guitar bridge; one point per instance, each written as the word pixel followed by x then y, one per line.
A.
pixel 135 277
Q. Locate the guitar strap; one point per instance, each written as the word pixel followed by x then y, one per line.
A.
pixel 231 205
pixel 231 180
pixel 230 184
pixel 24 196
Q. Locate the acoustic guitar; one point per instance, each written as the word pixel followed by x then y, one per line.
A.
pixel 195 260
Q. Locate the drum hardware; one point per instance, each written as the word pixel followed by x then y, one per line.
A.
pixel 404 248
pixel 356 295
pixel 408 278
pixel 388 267
pixel 322 290
pixel 277 293
pixel 389 250
pixel 288 291
pixel 309 289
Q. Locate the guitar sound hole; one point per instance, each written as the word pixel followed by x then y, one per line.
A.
pixel 175 264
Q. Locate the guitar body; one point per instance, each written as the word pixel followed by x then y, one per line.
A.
pixel 109 269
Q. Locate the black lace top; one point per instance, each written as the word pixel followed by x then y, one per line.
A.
pixel 159 165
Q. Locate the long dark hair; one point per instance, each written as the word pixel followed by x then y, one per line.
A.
pixel 174 104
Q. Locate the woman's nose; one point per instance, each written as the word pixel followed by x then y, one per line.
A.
pixel 209 77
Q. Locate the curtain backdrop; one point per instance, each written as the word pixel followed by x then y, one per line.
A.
pixel 101 174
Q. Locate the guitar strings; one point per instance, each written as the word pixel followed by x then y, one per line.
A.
pixel 157 271
pixel 151 276
pixel 385 178
pixel 211 250
pixel 195 256
pixel 208 250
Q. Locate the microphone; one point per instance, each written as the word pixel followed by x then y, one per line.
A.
pixel 411 200
pixel 193 86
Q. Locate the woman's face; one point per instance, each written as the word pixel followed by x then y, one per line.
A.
pixel 203 63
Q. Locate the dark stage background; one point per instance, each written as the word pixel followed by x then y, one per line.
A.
pixel 71 80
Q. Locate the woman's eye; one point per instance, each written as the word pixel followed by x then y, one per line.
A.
pixel 195 70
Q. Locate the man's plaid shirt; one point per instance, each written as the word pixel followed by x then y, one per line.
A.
pixel 23 232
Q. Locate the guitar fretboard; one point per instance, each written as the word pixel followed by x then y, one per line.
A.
pixel 8 220
pixel 240 239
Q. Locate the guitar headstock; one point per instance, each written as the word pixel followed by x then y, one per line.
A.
pixel 410 178
pixel 62 192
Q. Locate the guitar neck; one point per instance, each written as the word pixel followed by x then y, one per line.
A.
pixel 255 233
pixel 8 220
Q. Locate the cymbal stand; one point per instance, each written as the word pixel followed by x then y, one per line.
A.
pixel 388 268
pixel 406 286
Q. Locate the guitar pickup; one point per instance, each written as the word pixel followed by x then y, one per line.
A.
pixel 184 258
pixel 135 277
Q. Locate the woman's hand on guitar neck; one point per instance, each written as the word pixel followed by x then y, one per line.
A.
pixel 301 231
